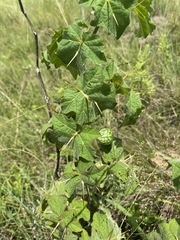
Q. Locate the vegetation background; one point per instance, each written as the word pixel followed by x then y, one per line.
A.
pixel 151 66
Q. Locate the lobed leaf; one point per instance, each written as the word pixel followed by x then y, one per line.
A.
pixel 64 134
pixel 82 143
pixel 73 47
pixel 143 10
pixel 62 130
pixel 89 97
pixel 112 14
pixel 76 210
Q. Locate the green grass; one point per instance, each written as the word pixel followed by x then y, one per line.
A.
pixel 27 163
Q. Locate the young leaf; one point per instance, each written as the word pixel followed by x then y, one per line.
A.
pixel 134 108
pixel 133 102
pixel 143 10
pixel 114 14
pixel 50 56
pixel 121 86
pixel 111 74
pixel 115 153
pixel 110 70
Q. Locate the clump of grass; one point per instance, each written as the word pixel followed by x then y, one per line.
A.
pixel 20 195
pixel 26 163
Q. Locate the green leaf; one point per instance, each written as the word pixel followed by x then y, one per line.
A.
pixel 72 47
pixel 175 163
pixel 89 96
pixel 76 210
pixel 115 153
pixel 69 236
pixel 133 102
pixel 64 134
pixel 45 128
pixel 76 101
pixel 121 86
pixel 110 70
pixel 134 108
pixel 86 172
pixel 73 184
pixel 104 227
pixel 57 203
pixel 101 92
pixel 166 231
pixel 82 143
pixel 50 55
pixel 120 170
pixel 91 173
pixel 51 218
pixel 143 10
pixel 114 14
pixel 84 236
pixel 111 74
pixel 63 130
pixel 57 197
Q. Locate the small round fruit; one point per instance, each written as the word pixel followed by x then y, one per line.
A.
pixel 106 136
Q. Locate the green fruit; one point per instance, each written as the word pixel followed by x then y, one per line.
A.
pixel 106 136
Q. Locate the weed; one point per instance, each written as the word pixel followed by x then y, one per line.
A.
pixel 27 163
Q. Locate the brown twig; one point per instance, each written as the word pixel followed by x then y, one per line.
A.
pixel 46 98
